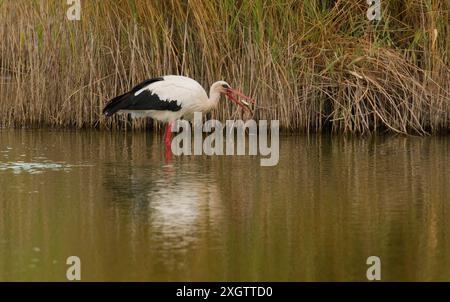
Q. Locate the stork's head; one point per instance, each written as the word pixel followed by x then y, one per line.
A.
pixel 224 88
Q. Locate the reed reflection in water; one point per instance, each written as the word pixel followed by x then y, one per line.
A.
pixel 110 199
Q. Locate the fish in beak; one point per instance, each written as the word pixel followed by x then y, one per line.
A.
pixel 240 99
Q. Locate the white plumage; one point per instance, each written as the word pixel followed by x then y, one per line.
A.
pixel 188 94
pixel 170 98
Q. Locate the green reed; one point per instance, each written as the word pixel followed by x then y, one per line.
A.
pixel 314 65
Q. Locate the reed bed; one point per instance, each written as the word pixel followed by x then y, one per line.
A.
pixel 315 65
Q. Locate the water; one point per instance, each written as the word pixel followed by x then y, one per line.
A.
pixel 110 199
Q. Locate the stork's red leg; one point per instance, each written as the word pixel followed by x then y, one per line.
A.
pixel 167 141
pixel 167 155
pixel 168 135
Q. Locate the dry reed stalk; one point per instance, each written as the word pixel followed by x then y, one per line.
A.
pixel 314 65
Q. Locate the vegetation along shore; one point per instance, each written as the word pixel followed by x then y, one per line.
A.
pixel 314 65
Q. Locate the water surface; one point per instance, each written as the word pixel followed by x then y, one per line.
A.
pixel 110 199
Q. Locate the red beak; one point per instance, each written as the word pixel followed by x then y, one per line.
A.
pixel 234 95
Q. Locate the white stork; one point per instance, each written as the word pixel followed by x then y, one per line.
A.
pixel 170 98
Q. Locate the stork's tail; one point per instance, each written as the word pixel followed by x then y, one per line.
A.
pixel 115 104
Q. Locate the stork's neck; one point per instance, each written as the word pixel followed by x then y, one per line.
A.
pixel 214 97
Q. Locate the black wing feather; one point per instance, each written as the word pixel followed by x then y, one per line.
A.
pixel 143 101
pixel 146 83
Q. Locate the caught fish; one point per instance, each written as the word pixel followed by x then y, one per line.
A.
pixel 246 103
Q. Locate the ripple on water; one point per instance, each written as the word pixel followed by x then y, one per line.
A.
pixel 36 167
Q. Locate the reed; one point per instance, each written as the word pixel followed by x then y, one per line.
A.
pixel 314 65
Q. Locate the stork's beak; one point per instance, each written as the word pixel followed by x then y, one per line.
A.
pixel 245 102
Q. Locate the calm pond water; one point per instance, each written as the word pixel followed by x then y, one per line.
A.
pixel 110 199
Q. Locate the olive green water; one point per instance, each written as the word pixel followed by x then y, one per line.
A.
pixel 110 199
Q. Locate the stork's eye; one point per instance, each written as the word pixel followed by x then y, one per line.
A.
pixel 225 86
